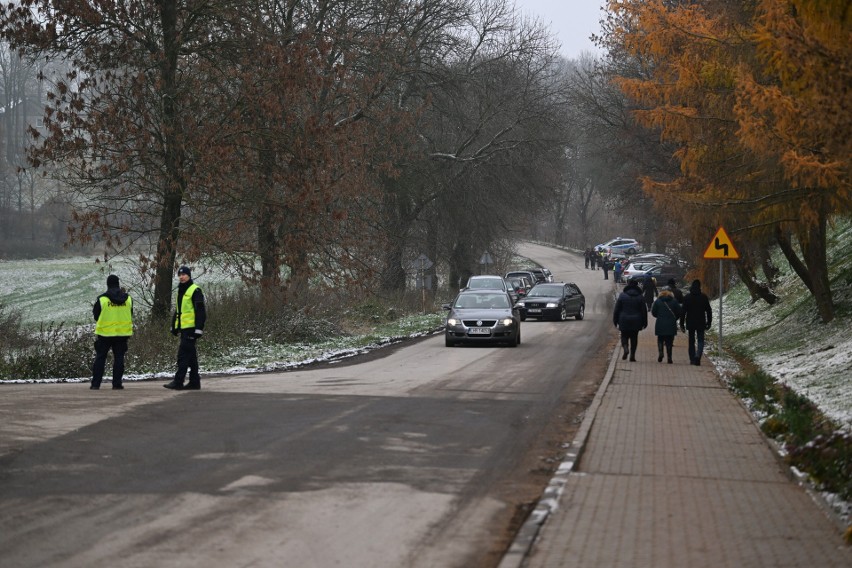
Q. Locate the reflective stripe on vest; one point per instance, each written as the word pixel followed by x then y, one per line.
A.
pixel 115 320
pixel 186 311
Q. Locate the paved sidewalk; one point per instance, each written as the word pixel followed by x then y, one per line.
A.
pixel 673 472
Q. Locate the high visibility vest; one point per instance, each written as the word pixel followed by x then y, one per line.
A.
pixel 115 320
pixel 186 311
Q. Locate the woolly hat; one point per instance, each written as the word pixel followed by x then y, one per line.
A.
pixel 112 281
pixel 672 283
pixel 696 285
pixel 185 270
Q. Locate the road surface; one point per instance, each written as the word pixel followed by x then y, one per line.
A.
pixel 428 456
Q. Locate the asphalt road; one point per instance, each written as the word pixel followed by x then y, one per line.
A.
pixel 429 456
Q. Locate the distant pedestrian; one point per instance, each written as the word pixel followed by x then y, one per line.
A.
pixel 617 271
pixel 649 290
pixel 630 317
pixel 587 256
pixel 188 322
pixel 667 311
pixel 113 312
pixel 678 295
pixel 606 264
pixel 697 317
pixel 593 259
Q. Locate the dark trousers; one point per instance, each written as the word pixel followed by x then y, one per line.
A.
pixel 630 338
pixel 102 346
pixel 666 341
pixel 606 272
pixel 696 345
pixel 187 359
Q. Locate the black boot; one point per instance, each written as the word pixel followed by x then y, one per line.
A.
pixel 624 356
pixel 659 353
pixel 174 385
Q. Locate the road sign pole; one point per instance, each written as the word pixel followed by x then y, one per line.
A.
pixel 721 292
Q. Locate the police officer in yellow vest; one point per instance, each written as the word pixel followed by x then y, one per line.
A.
pixel 113 311
pixel 188 322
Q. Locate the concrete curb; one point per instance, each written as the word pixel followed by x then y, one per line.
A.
pixel 549 502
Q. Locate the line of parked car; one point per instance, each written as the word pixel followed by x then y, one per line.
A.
pixel 491 307
pixel 661 266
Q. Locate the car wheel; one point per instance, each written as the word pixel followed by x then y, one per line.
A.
pixel 581 312
pixel 449 342
pixel 631 251
pixel 516 340
pixel 563 314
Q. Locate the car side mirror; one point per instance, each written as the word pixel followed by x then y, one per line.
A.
pixel 446 307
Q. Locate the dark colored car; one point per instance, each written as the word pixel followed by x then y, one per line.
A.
pixel 662 274
pixel 553 300
pixel 482 316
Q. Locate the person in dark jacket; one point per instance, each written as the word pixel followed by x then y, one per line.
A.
pixel 188 322
pixel 697 317
pixel 678 295
pixel 630 317
pixel 606 265
pixel 667 311
pixel 113 313
pixel 649 289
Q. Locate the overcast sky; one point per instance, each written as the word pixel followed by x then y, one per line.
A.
pixel 572 21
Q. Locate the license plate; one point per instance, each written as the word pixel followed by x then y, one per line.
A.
pixel 479 331
pixel 534 310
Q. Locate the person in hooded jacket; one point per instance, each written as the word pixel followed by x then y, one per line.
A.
pixel 667 311
pixel 188 322
pixel 630 317
pixel 697 317
pixel 649 289
pixel 113 313
pixel 678 295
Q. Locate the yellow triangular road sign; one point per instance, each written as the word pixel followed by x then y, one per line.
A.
pixel 721 247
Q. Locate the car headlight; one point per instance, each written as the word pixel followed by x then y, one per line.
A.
pixel 520 305
pixel 507 321
pixel 453 321
pixel 552 305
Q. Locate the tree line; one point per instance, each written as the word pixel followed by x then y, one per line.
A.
pixel 328 143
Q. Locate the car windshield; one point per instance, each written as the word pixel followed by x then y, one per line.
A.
pixel 542 290
pixel 485 283
pixel 482 301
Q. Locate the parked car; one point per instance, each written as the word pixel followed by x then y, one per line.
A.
pixel 520 284
pixel 491 282
pixel 620 244
pixel 539 274
pixel 523 273
pixel 482 316
pixel 637 269
pixel 662 273
pixel 547 273
pixel 553 300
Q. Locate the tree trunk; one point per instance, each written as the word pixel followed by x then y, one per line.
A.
pixel 813 241
pixel 783 239
pixel 757 290
pixel 174 182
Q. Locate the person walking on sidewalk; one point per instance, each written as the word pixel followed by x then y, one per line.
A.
pixel 678 295
pixel 617 269
pixel 587 256
pixel 113 312
pixel 667 311
pixel 697 317
pixel 649 289
pixel 630 317
pixel 188 322
pixel 606 264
